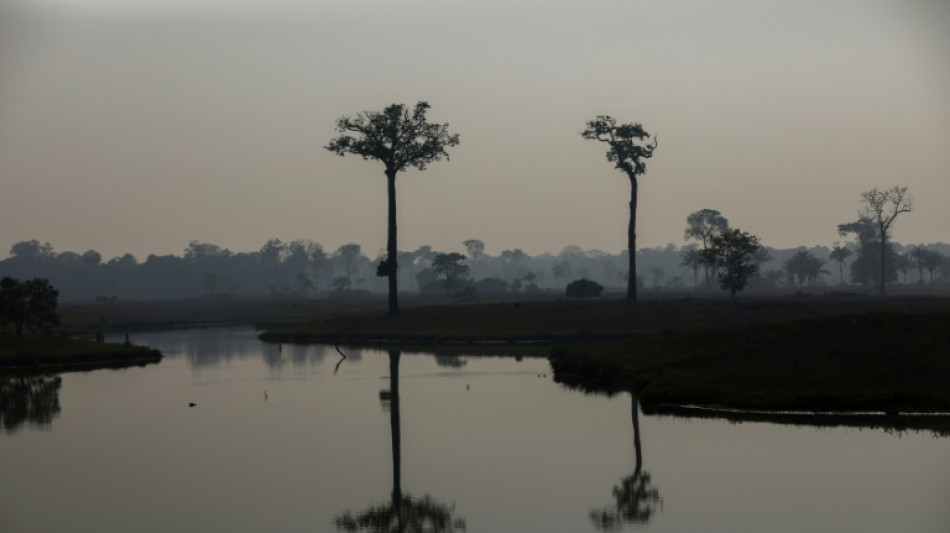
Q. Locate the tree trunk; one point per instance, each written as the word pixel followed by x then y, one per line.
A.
pixel 883 259
pixel 391 244
pixel 632 241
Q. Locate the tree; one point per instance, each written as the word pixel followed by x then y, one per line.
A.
pixel 840 254
pixel 702 225
pixel 932 261
pixel 399 139
pixel 32 250
pixel 693 260
pixel 865 268
pixel 453 273
pixel 881 208
pixel 732 253
pixel 348 253
pixel 917 254
pixel 475 248
pixel 628 156
pixel 31 304
pixel 583 288
pixel 804 266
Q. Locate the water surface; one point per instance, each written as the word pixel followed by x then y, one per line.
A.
pixel 293 438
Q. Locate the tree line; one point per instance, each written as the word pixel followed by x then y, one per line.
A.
pixel 302 268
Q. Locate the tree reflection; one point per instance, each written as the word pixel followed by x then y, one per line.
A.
pixel 635 500
pixel 33 399
pixel 403 513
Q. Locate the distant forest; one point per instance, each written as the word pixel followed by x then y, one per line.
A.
pixel 304 269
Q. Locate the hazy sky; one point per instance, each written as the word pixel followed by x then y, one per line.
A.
pixel 140 125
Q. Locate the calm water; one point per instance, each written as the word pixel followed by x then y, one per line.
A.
pixel 488 444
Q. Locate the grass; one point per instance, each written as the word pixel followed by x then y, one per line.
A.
pixel 49 352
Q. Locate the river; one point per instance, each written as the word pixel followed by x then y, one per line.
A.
pixel 297 438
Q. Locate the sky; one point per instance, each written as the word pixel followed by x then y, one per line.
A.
pixel 137 126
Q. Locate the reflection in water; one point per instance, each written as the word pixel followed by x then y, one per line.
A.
pixel 33 399
pixel 635 500
pixel 403 513
pixel 450 360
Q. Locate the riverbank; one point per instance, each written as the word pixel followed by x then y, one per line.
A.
pixel 55 353
pixel 809 354
pixel 884 362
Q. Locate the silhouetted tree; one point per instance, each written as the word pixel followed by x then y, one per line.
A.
pixel 702 225
pixel 449 268
pixel 399 139
pixel 804 266
pixel 865 267
pixel 32 250
pixel 731 253
pixel 840 254
pixel 31 304
pixel 881 208
pixel 628 156
pixel 475 248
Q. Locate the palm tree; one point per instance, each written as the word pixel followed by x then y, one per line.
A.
pixel 840 254
pixel 693 260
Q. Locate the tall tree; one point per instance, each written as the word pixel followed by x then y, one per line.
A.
pixel 627 152
pixel 881 208
pixel 400 139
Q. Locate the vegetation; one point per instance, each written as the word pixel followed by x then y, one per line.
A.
pixel 30 351
pixel 877 361
pixel 702 226
pixel 400 140
pixel 732 253
pixel 627 156
pixel 583 288
pixel 878 211
pixel 30 304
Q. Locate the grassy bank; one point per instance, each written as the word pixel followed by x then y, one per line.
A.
pixel 561 320
pixel 38 351
pixel 876 361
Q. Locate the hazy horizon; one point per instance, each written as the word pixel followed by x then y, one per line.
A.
pixel 139 126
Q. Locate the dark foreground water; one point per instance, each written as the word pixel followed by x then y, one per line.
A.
pixel 294 439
